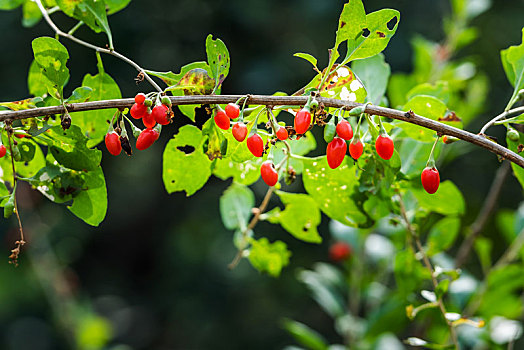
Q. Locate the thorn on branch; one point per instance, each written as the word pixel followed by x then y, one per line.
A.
pixel 410 114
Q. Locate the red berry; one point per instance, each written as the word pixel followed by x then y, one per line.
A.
pixel 138 111
pixel 269 173
pixel 222 120
pixel 140 98
pixel 146 138
pixel 21 136
pixel 302 121
pixel 3 151
pixel 113 145
pixel 384 146
pixel 344 130
pixel 255 145
pixel 161 114
pixel 430 179
pixel 239 131
pixel 232 111
pixel 339 251
pixel 336 150
pixel 282 133
pixel 356 149
pixel 149 120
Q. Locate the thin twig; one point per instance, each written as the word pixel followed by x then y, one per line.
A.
pixel 94 47
pixel 408 117
pixel 485 213
pixel 252 224
pixel 502 115
pixel 429 267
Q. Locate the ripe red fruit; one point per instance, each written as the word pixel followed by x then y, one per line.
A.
pixel 140 98
pixel 384 146
pixel 302 121
pixel 282 133
pixel 336 150
pixel 3 151
pixel 146 138
pixel 269 173
pixel 255 144
pixel 430 179
pixel 149 120
pixel 356 148
pixel 339 251
pixel 161 114
pixel 239 131
pixel 232 110
pixel 138 111
pixel 222 120
pixel 112 141
pixel 344 130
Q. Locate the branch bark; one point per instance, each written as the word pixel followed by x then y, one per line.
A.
pixel 408 117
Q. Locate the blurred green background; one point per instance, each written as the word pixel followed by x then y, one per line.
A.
pixel 154 274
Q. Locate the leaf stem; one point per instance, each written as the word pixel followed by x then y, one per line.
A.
pixel 502 115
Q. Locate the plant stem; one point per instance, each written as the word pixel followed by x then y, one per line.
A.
pixel 112 52
pixel 485 213
pixel 429 267
pixel 409 117
pixel 252 224
pixel 502 115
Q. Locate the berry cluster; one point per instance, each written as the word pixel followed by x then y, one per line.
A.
pixel 141 109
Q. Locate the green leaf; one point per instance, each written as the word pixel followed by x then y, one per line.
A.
pixel 94 123
pixel 483 247
pixel 90 204
pixel 513 63
pixel 69 148
pixel 518 172
pixel 245 173
pixel 91 12
pixel 414 155
pixel 171 78
pixel 307 57
pixel 326 284
pixel 235 206
pixel 341 84
pixel 299 147
pixel 31 14
pixel 351 22
pixel 52 57
pixel 426 106
pixel 331 189
pixel 218 59
pixel 269 257
pixel 442 235
pixel 10 4
pixel 37 82
pixel 305 336
pixel 300 216
pixel 378 36
pixel 502 296
pixel 181 171
pixel 448 199
pixel 80 94
pixel 114 6
pixel 374 73
pixel 439 90
pixel 9 206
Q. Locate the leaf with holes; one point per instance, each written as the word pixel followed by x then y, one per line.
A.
pixel 269 257
pixel 375 36
pixel 218 59
pixel 331 190
pixel 51 57
pixel 300 216
pixel 513 63
pixel 185 171
pixel 341 84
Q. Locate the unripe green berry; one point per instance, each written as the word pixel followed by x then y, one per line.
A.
pixel 166 101
pixel 148 102
pixel 513 135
